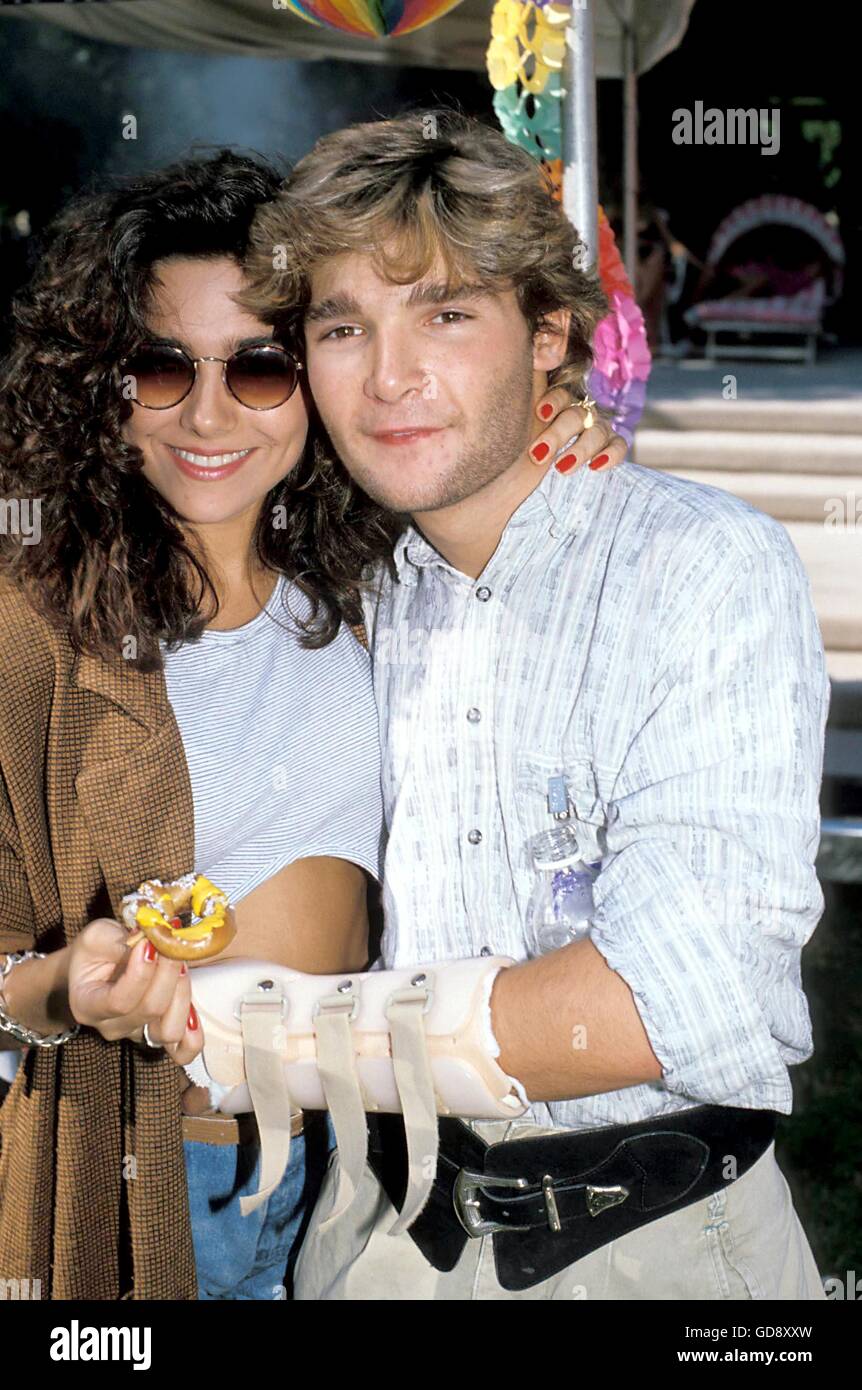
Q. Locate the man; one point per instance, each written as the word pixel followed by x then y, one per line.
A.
pixel 650 642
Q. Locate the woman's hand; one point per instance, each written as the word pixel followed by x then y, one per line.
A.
pixel 562 421
pixel 116 991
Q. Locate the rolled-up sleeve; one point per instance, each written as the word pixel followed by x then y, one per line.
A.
pixel 709 891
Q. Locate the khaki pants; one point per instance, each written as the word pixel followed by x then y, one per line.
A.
pixel 742 1242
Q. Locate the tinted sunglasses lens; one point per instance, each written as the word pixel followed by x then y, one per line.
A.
pixel 262 378
pixel 159 378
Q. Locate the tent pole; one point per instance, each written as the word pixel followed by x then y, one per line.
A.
pixel 580 164
pixel 630 140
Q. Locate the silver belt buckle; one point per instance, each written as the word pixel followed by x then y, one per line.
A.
pixel 465 1199
pixel 599 1199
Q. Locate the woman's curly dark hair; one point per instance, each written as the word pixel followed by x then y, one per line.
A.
pixel 112 560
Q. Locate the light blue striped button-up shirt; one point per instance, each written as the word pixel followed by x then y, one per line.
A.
pixel 654 641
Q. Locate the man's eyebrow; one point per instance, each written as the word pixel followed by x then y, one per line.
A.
pixel 439 292
pixel 345 306
pixel 335 306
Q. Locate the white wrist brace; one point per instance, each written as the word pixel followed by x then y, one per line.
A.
pixel 416 1041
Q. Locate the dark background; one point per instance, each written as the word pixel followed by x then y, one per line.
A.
pixel 63 100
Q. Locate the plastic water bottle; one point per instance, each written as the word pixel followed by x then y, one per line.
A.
pixel 561 903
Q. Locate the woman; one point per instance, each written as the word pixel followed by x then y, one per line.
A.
pixel 182 689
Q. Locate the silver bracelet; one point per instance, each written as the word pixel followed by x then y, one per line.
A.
pixel 8 1025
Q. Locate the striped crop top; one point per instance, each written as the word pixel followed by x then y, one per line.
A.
pixel 282 746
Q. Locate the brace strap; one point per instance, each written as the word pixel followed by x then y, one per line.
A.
pixel 412 1067
pixel 336 1060
pixel 262 1021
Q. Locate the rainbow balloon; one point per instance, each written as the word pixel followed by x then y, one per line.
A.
pixel 370 19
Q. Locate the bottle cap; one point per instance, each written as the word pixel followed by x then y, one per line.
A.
pixel 555 849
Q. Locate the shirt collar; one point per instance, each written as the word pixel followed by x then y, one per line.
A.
pixel 559 504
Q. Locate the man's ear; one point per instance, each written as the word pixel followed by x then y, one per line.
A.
pixel 550 340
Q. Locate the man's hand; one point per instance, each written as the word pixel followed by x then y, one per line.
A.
pixel 116 991
pixel 561 422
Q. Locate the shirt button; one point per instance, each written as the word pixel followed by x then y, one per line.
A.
pixel 474 836
pixel 483 594
pixel 474 715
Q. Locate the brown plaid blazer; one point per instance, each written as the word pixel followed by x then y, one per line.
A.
pixel 94 797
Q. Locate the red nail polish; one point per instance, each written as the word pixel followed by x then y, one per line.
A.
pixel 184 969
pixel 546 411
pixel 600 461
pixel 566 464
pixel 149 952
pixel 193 1018
pixel 540 451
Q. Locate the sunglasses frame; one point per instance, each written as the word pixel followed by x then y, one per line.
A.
pixel 193 363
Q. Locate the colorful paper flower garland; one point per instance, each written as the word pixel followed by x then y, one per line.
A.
pixel 525 59
pixel 621 355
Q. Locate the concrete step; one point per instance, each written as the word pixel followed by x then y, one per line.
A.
pixel 844 666
pixel 739 451
pixel 774 397
pixel 813 417
pixel 831 498
pixel 832 557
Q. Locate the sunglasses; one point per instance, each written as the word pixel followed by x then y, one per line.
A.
pixel 261 377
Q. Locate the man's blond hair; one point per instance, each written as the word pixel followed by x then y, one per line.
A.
pixel 410 189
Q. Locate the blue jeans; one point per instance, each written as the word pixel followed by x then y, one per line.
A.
pixel 251 1257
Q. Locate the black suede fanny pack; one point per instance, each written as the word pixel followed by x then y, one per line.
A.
pixel 548 1201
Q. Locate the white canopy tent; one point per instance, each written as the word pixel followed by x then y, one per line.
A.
pixel 607 38
pixel 255 27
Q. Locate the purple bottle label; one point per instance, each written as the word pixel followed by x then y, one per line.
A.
pixel 572 892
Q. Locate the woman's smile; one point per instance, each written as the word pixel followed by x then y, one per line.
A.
pixel 208 467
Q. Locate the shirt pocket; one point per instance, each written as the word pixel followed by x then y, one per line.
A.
pixel 588 819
